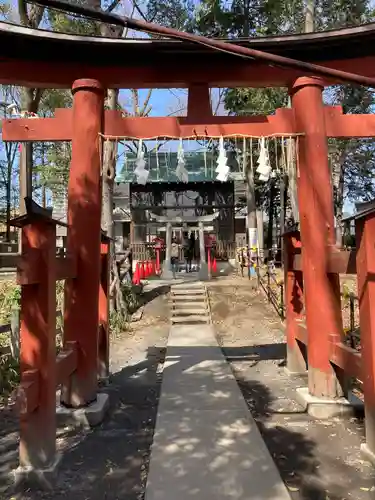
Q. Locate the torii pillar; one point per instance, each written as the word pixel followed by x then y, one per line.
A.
pixel 322 290
pixel 84 240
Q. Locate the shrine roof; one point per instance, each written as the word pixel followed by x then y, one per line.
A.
pixel 44 58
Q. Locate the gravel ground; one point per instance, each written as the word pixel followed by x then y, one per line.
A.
pixel 317 460
pixel 110 462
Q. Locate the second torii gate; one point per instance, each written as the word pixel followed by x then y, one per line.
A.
pixel 201 220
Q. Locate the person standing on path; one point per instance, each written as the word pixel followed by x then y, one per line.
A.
pixel 174 256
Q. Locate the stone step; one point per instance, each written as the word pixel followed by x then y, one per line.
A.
pixel 189 305
pixel 186 320
pixel 188 291
pixel 188 298
pixel 189 312
pixel 187 285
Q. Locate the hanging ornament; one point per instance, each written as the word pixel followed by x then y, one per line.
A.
pixel 181 172
pixel 264 166
pixel 142 177
pixel 157 161
pixel 205 160
pixel 13 110
pixel 222 168
pixel 140 164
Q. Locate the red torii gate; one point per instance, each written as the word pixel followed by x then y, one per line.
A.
pixel 86 305
pixel 77 366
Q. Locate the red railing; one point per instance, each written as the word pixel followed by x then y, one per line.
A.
pixel 351 363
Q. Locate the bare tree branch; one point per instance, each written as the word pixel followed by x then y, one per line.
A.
pixel 145 110
pixel 113 5
pixel 135 96
pixel 139 10
pixel 126 30
pixel 219 100
pixel 176 111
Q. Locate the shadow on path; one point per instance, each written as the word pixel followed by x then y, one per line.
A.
pixel 111 461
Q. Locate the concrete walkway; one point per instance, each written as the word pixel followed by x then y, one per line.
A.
pixel 206 444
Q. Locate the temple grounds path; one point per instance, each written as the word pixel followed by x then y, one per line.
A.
pixel 317 460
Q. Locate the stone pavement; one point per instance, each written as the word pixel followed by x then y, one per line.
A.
pixel 206 443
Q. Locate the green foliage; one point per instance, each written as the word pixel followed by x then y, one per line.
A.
pixel 120 320
pixel 62 22
pixel 52 162
pixel 333 14
pixel 250 101
pixel 173 13
pixel 9 375
pixel 130 297
pixel 244 18
pixel 10 298
pixel 118 323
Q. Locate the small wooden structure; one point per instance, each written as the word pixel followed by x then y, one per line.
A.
pixel 313 263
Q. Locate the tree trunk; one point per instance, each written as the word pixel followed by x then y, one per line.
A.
pixel 310 16
pixel 251 213
pixel 9 198
pixel 10 153
pixel 283 200
pixel 291 168
pixel 109 173
pixel 246 22
pixel 339 205
pixel 291 146
pixel 30 99
pixel 270 216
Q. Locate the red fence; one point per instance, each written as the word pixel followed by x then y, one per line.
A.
pixel 346 361
pixel 221 250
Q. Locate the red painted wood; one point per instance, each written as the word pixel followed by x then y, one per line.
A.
pixel 365 237
pixel 84 213
pixel 347 126
pixel 199 102
pixel 66 267
pixel 197 123
pixel 30 267
pixel 38 349
pixel 294 305
pixel 187 127
pixel 241 73
pixel 66 362
pixel 339 262
pixel 103 344
pixel 348 359
pixel 322 292
pixel 58 128
pixel 27 399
